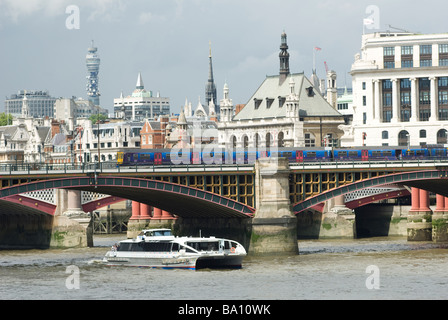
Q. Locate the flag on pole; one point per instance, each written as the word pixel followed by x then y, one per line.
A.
pixel 317 48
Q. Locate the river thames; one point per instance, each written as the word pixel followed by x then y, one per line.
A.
pixel 370 268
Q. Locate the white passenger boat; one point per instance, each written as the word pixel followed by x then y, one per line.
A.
pixel 158 248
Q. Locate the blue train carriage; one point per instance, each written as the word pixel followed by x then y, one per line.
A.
pixel 368 154
pixel 305 154
pixel 136 157
pixel 437 151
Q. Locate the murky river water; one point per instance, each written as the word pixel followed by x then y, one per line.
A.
pixel 324 269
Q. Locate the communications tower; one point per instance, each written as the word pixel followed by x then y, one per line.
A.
pixel 93 67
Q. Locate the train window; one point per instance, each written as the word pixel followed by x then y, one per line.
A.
pixel 420 152
pixel 409 152
pixel 387 153
pixel 376 153
pixel 311 154
pixel 287 154
pixel 352 154
pixel 342 154
pixel 145 156
pixel 438 152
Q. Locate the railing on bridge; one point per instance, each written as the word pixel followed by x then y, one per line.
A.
pixel 356 164
pixel 111 167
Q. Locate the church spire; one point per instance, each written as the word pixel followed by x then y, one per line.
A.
pixel 210 88
pixel 284 59
pixel 139 82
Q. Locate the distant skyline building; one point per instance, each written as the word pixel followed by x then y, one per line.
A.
pixel 93 68
pixel 210 88
pixel 141 104
pixel 30 103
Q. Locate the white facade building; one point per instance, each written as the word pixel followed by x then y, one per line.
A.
pixel 113 137
pixel 141 104
pixel 400 91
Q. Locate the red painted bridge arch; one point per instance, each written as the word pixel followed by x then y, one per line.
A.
pixel 431 180
pixel 180 200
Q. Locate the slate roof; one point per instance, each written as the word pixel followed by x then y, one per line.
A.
pixel 309 106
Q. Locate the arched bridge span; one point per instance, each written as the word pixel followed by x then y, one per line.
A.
pixel 180 200
pixel 431 180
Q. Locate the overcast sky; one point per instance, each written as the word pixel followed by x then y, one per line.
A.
pixel 168 42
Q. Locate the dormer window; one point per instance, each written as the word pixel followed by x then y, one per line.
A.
pixel 281 101
pixel 310 92
pixel 257 103
pixel 269 102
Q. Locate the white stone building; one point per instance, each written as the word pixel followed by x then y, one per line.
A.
pixel 287 110
pixel 113 137
pixel 141 104
pixel 400 91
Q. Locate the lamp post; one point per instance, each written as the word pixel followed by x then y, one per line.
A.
pixel 98 120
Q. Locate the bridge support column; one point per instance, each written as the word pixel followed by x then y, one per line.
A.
pixel 145 211
pixel 419 226
pixel 338 221
pixel 135 210
pixel 72 227
pixel 274 228
pixel 440 220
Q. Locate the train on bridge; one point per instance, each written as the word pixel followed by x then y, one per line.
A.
pixel 294 155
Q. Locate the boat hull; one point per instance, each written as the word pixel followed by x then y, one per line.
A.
pixel 182 262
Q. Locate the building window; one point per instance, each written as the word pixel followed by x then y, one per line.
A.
pixel 443 114
pixel 342 106
pixel 405 84
pixel 426 49
pixel 443 48
pixel 422 133
pixel 364 100
pixel 407 63
pixel 403 138
pixel 364 118
pixel 389 51
pixel 310 141
pixel 443 97
pixel 407 50
pixel 443 62
pixel 443 82
pixel 424 114
pixel 363 86
pixel 387 84
pixel 441 136
pixel 387 99
pixel 387 115
pixel 389 64
pixel 385 135
pixel 405 98
pixel 426 63
pixel 405 114
pixel 425 97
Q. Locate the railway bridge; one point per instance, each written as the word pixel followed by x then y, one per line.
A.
pixel 264 205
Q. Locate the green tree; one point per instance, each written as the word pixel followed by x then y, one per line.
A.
pixel 5 119
pixel 94 118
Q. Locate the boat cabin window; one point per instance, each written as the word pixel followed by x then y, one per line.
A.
pixel 158 233
pixel 148 246
pixel 204 245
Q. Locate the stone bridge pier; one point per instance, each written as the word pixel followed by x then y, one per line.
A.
pixel 72 227
pixel 274 227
